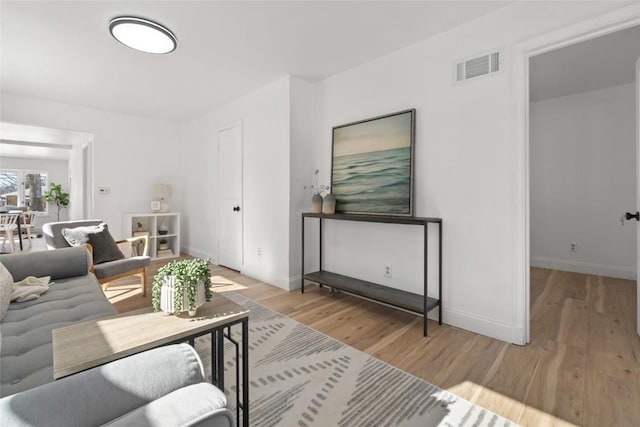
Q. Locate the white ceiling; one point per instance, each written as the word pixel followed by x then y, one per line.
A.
pixel 598 63
pixel 62 51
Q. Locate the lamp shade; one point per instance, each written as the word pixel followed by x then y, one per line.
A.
pixel 162 191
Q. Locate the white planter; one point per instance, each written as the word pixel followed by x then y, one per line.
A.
pixel 167 296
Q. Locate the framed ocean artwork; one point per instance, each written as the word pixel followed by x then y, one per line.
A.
pixel 372 165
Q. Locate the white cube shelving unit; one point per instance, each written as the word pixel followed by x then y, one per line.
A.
pixel 151 223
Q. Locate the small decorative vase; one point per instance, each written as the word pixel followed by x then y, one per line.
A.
pixel 329 204
pixel 167 297
pixel 316 203
pixel 163 229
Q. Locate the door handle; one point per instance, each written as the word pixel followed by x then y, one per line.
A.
pixel 236 208
pixel 629 215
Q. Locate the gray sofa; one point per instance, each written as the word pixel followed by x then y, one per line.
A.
pixel 161 387
pixel 26 355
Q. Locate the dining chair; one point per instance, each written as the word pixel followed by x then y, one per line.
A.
pixel 7 227
pixel 26 223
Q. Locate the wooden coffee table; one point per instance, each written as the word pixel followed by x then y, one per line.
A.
pixel 89 344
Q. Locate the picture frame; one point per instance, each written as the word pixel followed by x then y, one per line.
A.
pixel 155 206
pixel 372 165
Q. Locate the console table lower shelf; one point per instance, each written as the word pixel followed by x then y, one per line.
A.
pixel 396 297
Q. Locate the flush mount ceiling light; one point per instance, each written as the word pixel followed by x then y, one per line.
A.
pixel 142 34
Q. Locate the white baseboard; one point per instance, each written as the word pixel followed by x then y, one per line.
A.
pixel 266 276
pixel 294 283
pixel 478 324
pixel 198 254
pixel 584 267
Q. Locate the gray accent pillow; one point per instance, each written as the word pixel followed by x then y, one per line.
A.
pixel 6 285
pixel 105 248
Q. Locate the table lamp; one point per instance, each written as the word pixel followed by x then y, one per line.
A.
pixel 162 192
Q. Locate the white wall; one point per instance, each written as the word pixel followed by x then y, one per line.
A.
pixel 303 132
pixel 465 159
pixel 57 171
pixel 265 117
pixel 130 154
pixel 583 179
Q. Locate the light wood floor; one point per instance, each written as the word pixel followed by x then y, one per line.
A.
pixel 582 366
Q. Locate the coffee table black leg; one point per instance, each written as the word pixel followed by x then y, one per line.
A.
pixel 220 358
pixel 245 372
pixel 214 358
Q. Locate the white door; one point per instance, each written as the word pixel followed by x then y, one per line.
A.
pixel 230 197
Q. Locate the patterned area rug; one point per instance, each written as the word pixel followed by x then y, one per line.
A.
pixel 301 377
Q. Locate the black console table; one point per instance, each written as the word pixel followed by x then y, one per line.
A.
pixel 420 304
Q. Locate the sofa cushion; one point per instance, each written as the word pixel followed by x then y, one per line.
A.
pixel 98 236
pixel 101 394
pixel 194 405
pixel 59 263
pixel 26 354
pixel 6 284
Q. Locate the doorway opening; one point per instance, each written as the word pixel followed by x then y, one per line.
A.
pixel 582 179
pixel 587 30
pixel 60 156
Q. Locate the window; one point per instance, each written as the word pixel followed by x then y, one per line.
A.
pixel 23 188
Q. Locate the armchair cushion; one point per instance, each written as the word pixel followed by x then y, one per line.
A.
pixel 121 266
pixel 98 236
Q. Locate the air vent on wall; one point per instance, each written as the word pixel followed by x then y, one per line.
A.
pixel 479 66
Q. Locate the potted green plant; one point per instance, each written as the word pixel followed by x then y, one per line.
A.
pixel 56 196
pixel 163 244
pixel 181 285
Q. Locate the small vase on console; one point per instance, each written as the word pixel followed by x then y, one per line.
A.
pixel 316 203
pixel 329 204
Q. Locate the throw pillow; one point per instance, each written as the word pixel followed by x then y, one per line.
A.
pixel 80 235
pixel 6 285
pixel 105 248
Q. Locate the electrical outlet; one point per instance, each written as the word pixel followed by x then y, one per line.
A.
pixel 573 247
pixel 387 271
pixel 259 251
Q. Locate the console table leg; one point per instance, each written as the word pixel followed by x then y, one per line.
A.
pixel 440 274
pixel 426 274
pixel 245 373
pixel 302 266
